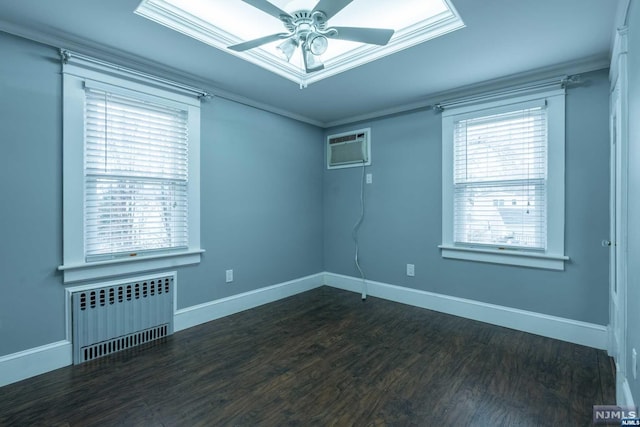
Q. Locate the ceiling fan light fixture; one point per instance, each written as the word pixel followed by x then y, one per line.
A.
pixel 287 48
pixel 311 62
pixel 307 29
pixel 317 43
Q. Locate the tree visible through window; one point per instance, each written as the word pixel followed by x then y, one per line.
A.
pixel 500 179
pixel 136 176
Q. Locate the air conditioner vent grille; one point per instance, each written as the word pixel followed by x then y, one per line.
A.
pixel 349 149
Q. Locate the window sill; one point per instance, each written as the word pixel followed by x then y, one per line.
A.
pixel 505 256
pixel 115 267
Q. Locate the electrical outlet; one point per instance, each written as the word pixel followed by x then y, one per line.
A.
pixel 369 178
pixel 411 270
pixel 229 276
pixel 634 363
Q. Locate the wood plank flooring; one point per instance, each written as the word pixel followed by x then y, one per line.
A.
pixel 325 358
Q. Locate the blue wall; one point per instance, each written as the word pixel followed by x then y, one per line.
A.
pixel 32 302
pixel 261 199
pixel 261 191
pixel 272 213
pixel 403 215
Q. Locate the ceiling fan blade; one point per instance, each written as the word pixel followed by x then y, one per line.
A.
pixel 258 42
pixel 331 7
pixel 267 7
pixel 379 36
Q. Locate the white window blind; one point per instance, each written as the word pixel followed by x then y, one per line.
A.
pixel 136 176
pixel 500 179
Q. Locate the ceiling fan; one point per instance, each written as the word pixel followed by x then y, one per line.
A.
pixel 308 30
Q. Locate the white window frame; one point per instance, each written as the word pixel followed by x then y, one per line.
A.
pixel 553 257
pixel 77 71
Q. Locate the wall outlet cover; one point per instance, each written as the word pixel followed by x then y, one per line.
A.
pixel 411 270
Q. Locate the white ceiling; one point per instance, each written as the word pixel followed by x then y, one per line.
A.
pixel 502 38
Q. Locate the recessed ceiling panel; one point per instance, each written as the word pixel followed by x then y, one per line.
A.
pixel 223 23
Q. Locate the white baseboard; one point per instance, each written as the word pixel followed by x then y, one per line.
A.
pixel 202 313
pixel 35 361
pixel 18 366
pixel 573 331
pixel 623 391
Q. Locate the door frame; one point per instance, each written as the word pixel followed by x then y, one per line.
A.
pixel 618 213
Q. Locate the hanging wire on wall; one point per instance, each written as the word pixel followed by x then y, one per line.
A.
pixel 354 234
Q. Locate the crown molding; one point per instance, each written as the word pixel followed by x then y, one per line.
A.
pixel 177 19
pixel 54 38
pixel 429 101
pixel 62 40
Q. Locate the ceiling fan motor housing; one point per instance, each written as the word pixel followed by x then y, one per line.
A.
pixel 308 30
pixel 306 25
pixel 317 19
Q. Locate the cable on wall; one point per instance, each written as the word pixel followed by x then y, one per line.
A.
pixel 354 234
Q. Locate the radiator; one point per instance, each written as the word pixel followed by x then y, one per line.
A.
pixel 112 318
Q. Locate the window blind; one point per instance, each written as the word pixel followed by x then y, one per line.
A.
pixel 136 176
pixel 500 179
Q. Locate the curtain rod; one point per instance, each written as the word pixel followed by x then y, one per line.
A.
pixel 560 82
pixel 66 56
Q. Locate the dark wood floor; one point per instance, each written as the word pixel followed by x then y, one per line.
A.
pixel 326 358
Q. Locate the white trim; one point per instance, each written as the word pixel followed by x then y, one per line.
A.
pixel 80 65
pixel 624 397
pixel 38 360
pixel 175 18
pixel 489 104
pixel 25 364
pixel 122 266
pixel 618 282
pixel 34 361
pixel 509 82
pixel 77 72
pixel 502 99
pixel 266 107
pixel 202 313
pixel 620 22
pixel 403 39
pixel 620 48
pixel 559 328
pixel 61 38
pixel 71 289
pixel 622 13
pixel 506 256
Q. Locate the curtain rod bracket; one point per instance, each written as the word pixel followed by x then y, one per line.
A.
pixel 65 55
pixel 88 61
pixel 575 79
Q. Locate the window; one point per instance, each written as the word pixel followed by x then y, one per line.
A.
pixel 135 176
pixel 503 181
pixel 131 174
pixel 496 158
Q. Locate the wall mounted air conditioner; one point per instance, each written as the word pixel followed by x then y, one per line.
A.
pixel 349 149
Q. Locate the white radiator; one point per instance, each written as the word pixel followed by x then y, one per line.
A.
pixel 119 316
